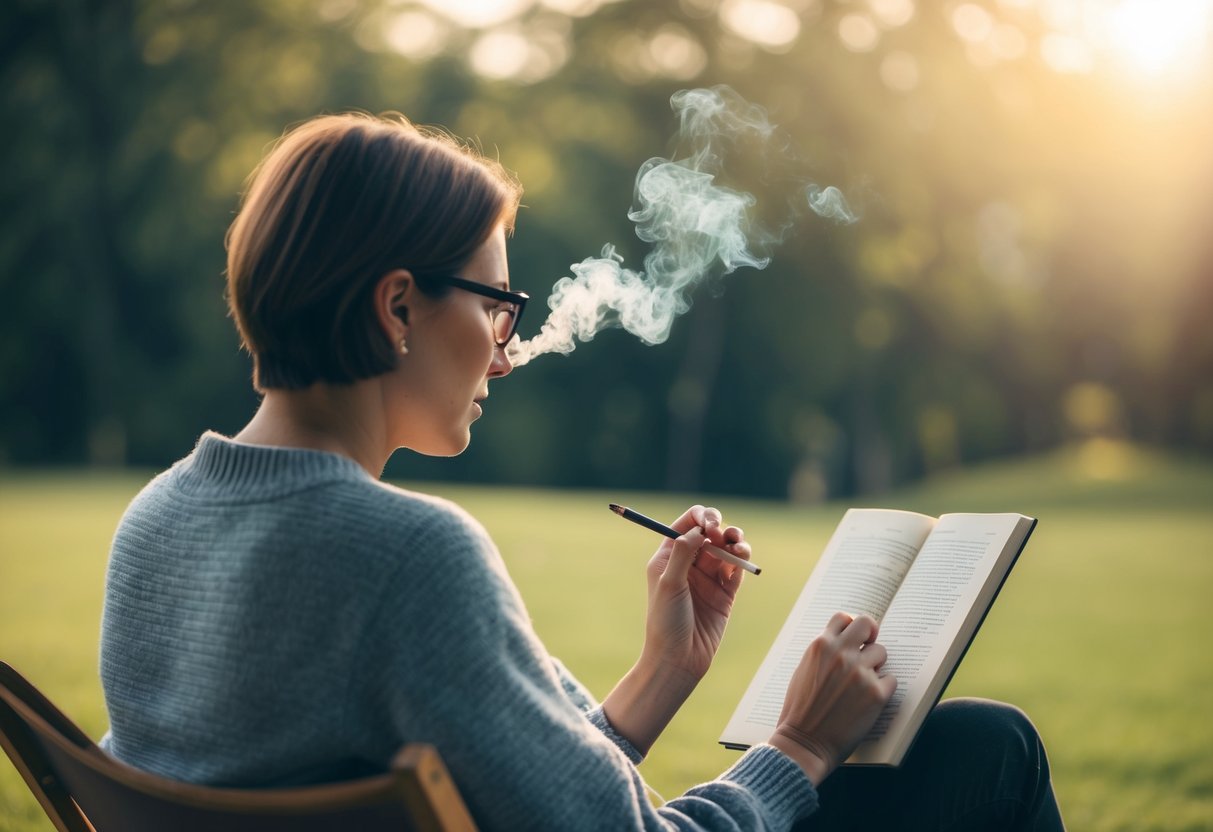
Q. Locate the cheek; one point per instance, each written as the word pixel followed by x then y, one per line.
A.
pixel 473 350
pixel 479 345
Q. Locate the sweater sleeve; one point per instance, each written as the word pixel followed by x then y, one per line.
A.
pixel 453 661
pixel 584 701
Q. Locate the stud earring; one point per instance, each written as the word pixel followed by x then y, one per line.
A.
pixel 404 348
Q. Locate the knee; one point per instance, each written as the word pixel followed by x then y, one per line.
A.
pixel 1000 730
pixel 986 721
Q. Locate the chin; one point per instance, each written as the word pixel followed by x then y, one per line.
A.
pixel 458 449
pixel 451 446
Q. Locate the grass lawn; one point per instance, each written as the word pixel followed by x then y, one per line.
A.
pixel 1098 634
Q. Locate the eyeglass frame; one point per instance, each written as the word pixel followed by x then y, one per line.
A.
pixel 517 299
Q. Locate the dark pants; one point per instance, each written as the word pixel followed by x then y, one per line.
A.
pixel 977 765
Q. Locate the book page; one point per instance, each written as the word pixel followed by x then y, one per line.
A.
pixel 863 564
pixel 934 616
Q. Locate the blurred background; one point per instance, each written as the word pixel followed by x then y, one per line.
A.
pixel 1032 267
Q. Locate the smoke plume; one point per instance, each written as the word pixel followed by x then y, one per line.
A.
pixel 696 226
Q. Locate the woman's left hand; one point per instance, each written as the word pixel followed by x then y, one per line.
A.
pixel 691 592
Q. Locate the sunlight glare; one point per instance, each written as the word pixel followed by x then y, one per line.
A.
pixel 415 34
pixel 892 13
pixel 771 25
pixel 510 53
pixel 500 54
pixel 574 8
pixel 1066 54
pixel 1154 36
pixel 479 14
pixel 1146 38
pixel 972 22
pixel 676 53
pixel 858 33
pixel 899 71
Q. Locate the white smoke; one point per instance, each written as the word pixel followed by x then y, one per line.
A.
pixel 829 202
pixel 696 226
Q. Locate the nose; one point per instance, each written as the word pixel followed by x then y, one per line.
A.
pixel 500 365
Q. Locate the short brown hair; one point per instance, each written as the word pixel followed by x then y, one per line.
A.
pixel 340 201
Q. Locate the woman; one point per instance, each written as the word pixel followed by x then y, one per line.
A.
pixel 276 615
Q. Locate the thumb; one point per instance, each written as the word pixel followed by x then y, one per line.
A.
pixel 682 556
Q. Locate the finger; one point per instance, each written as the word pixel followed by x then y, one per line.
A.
pixel 714 528
pixel 715 591
pixel 660 558
pixel 742 550
pixel 733 535
pixel 709 521
pixel 862 630
pixel 874 655
pixel 682 556
pixel 838 622
pixel 689 519
pixel 732 581
pixel 709 564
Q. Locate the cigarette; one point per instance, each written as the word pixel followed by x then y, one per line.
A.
pixel 661 528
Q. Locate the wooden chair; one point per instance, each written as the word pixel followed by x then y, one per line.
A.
pixel 83 789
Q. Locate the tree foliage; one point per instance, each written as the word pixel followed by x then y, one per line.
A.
pixel 1031 264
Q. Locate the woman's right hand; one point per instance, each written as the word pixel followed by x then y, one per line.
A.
pixel 834 697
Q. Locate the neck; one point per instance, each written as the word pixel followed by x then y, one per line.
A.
pixel 324 417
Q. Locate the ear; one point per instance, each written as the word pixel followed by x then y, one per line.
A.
pixel 393 293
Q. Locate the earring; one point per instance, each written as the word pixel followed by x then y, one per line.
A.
pixel 404 348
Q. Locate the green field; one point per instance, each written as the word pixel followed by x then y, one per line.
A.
pixel 1099 633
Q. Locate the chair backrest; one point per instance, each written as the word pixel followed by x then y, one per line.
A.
pixel 83 789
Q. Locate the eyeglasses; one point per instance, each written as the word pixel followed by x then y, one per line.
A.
pixel 504 318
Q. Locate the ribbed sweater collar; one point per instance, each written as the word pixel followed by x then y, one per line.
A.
pixel 221 468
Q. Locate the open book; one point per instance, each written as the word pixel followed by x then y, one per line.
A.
pixel 928 582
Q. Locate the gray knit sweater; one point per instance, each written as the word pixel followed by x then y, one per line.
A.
pixel 274 616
